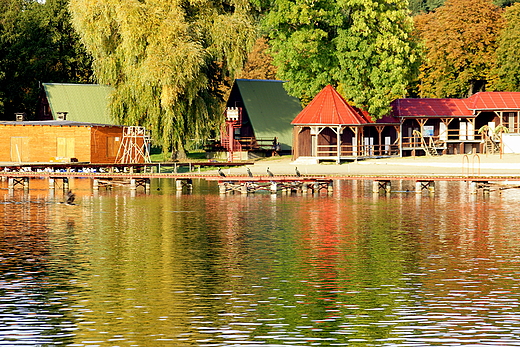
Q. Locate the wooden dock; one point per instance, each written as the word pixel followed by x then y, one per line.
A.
pixel 139 175
pixel 273 184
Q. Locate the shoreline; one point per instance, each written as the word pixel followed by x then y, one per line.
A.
pixel 447 165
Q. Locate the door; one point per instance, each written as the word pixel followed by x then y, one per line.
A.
pixel 65 147
pixel 20 149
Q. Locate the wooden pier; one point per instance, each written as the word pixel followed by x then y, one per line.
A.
pixel 284 184
pixel 139 176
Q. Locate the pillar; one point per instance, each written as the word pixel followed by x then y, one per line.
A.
pixel 51 183
pixel 133 185
pixel 273 187
pixel 222 188
pixel 178 184
pixel 95 184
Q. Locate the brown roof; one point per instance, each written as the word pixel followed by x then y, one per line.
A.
pixel 430 108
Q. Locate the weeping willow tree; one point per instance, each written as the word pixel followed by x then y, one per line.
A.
pixel 166 59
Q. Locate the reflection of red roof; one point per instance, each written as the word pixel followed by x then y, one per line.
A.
pixel 494 101
pixel 329 108
pixel 431 108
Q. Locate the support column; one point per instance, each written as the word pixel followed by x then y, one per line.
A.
pixel 133 184
pixel 178 184
pixel 273 187
pixel 65 184
pixel 95 184
pixel 51 183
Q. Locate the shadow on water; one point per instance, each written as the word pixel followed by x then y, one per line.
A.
pixel 203 269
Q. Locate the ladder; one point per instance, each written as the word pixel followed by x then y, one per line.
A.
pixel 429 148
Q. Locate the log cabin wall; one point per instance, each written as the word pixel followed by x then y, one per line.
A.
pixel 105 143
pixel 44 143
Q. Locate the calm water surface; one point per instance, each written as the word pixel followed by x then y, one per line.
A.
pixel 200 269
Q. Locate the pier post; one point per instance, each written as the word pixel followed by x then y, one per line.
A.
pixel 178 184
pixel 385 185
pixel 65 184
pixel 95 184
pixel 305 188
pixel 473 187
pixel 10 183
pixel 222 188
pixel 133 185
pixel 147 184
pixel 330 187
pixel 51 183
pixel 273 187
pixel 243 188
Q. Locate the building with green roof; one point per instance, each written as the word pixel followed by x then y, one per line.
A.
pixel 257 112
pixel 86 103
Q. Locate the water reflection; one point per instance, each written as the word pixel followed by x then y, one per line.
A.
pixel 203 269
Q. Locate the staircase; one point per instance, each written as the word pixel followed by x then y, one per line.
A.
pixel 429 148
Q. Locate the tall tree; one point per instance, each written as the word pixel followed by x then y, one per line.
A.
pixel 166 60
pixel 259 64
pixel 507 69
pixel 364 47
pixel 37 44
pixel 460 39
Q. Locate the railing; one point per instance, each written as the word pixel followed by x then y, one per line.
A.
pixel 357 151
pixel 257 143
pixel 417 142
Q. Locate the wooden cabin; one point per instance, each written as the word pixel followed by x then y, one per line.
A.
pixel 328 128
pixel 486 122
pixel 59 141
pixel 257 120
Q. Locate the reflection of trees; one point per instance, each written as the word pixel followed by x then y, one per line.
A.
pixel 31 295
pixel 192 267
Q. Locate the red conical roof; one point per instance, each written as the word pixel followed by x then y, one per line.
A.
pixel 329 108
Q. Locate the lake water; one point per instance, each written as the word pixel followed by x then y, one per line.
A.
pixel 352 268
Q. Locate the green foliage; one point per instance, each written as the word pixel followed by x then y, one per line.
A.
pixel 507 68
pixel 166 60
pixel 460 41
pixel 364 47
pixel 37 44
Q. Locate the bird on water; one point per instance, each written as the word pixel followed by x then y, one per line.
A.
pixel 297 172
pixel 70 197
pixel 221 173
pixel 249 173
pixel 269 173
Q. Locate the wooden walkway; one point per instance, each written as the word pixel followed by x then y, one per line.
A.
pixel 20 176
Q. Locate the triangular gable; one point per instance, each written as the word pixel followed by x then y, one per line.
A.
pixel 430 108
pixel 270 109
pixel 494 101
pixel 329 108
pixel 82 102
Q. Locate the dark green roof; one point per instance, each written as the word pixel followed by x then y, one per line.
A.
pixel 270 109
pixel 82 102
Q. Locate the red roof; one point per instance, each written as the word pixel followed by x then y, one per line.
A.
pixel 431 108
pixel 329 108
pixel 494 101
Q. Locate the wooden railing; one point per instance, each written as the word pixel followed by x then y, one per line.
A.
pixel 357 151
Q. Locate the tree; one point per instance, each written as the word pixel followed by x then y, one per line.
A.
pixel 507 68
pixel 37 44
pixel 259 64
pixel 166 60
pixel 460 39
pixel 364 47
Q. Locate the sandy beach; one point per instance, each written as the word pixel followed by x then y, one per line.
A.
pixel 447 165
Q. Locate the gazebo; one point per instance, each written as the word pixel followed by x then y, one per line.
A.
pixel 328 128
